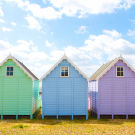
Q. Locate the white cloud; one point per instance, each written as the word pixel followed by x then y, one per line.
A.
pixel 24 45
pixel 109 43
pixel 48 44
pixel 1 12
pixel 2 21
pixel 4 45
pixel 6 29
pixel 131 32
pixel 112 33
pixel 52 33
pixel 44 1
pixel 46 67
pixel 34 48
pixel 75 54
pixel 38 64
pixel 73 7
pixel 33 23
pixel 37 56
pixel 21 51
pixel 42 13
pixel 83 7
pixel 89 70
pixel 82 30
pixel 13 23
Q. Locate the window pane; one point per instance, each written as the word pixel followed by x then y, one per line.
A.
pixel 121 73
pixel 7 73
pixel 62 68
pixel 121 68
pixel 118 73
pixel 62 74
pixel 66 73
pixel 11 73
pixel 11 68
pixel 8 68
pixel 118 68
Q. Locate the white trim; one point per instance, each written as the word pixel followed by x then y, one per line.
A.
pixel 64 57
pixel 64 67
pixel 112 64
pixel 18 64
pixel 120 71
pixel 6 71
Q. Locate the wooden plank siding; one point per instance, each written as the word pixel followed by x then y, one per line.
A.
pixel 116 94
pixel 15 92
pixel 131 96
pixel 105 97
pixel 64 95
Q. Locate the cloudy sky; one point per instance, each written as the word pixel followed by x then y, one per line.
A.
pixel 91 32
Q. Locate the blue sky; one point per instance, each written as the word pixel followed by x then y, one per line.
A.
pixel 39 32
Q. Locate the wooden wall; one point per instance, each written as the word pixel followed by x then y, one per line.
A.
pixel 15 92
pixel 116 94
pixel 64 95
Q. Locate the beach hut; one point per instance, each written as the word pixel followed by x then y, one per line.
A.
pixel 112 90
pixel 19 90
pixel 64 90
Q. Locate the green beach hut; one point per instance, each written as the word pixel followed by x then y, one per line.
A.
pixel 19 90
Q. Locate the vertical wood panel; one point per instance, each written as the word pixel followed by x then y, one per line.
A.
pixel 131 96
pixel 49 96
pixel 120 96
pixel 72 96
pixel 98 114
pixel 127 100
pixel 64 95
pixel 112 99
pixel 105 96
pixel 17 97
pixel 2 80
pixel 57 97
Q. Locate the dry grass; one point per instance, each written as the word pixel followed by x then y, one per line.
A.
pixel 75 127
pixel 64 127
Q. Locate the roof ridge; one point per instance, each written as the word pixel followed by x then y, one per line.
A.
pixel 58 62
pixel 21 65
pixel 103 69
pixel 100 70
pixel 27 69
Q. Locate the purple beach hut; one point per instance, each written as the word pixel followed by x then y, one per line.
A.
pixel 112 90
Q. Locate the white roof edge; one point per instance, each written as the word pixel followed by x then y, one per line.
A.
pixel 112 64
pixel 64 57
pixel 77 69
pixel 21 67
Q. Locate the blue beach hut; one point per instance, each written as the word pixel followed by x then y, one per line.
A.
pixel 64 90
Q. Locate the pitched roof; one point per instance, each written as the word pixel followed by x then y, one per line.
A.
pixel 105 67
pixel 21 65
pixel 63 58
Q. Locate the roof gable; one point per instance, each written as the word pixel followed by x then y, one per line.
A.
pixel 21 65
pixel 64 58
pixel 105 67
